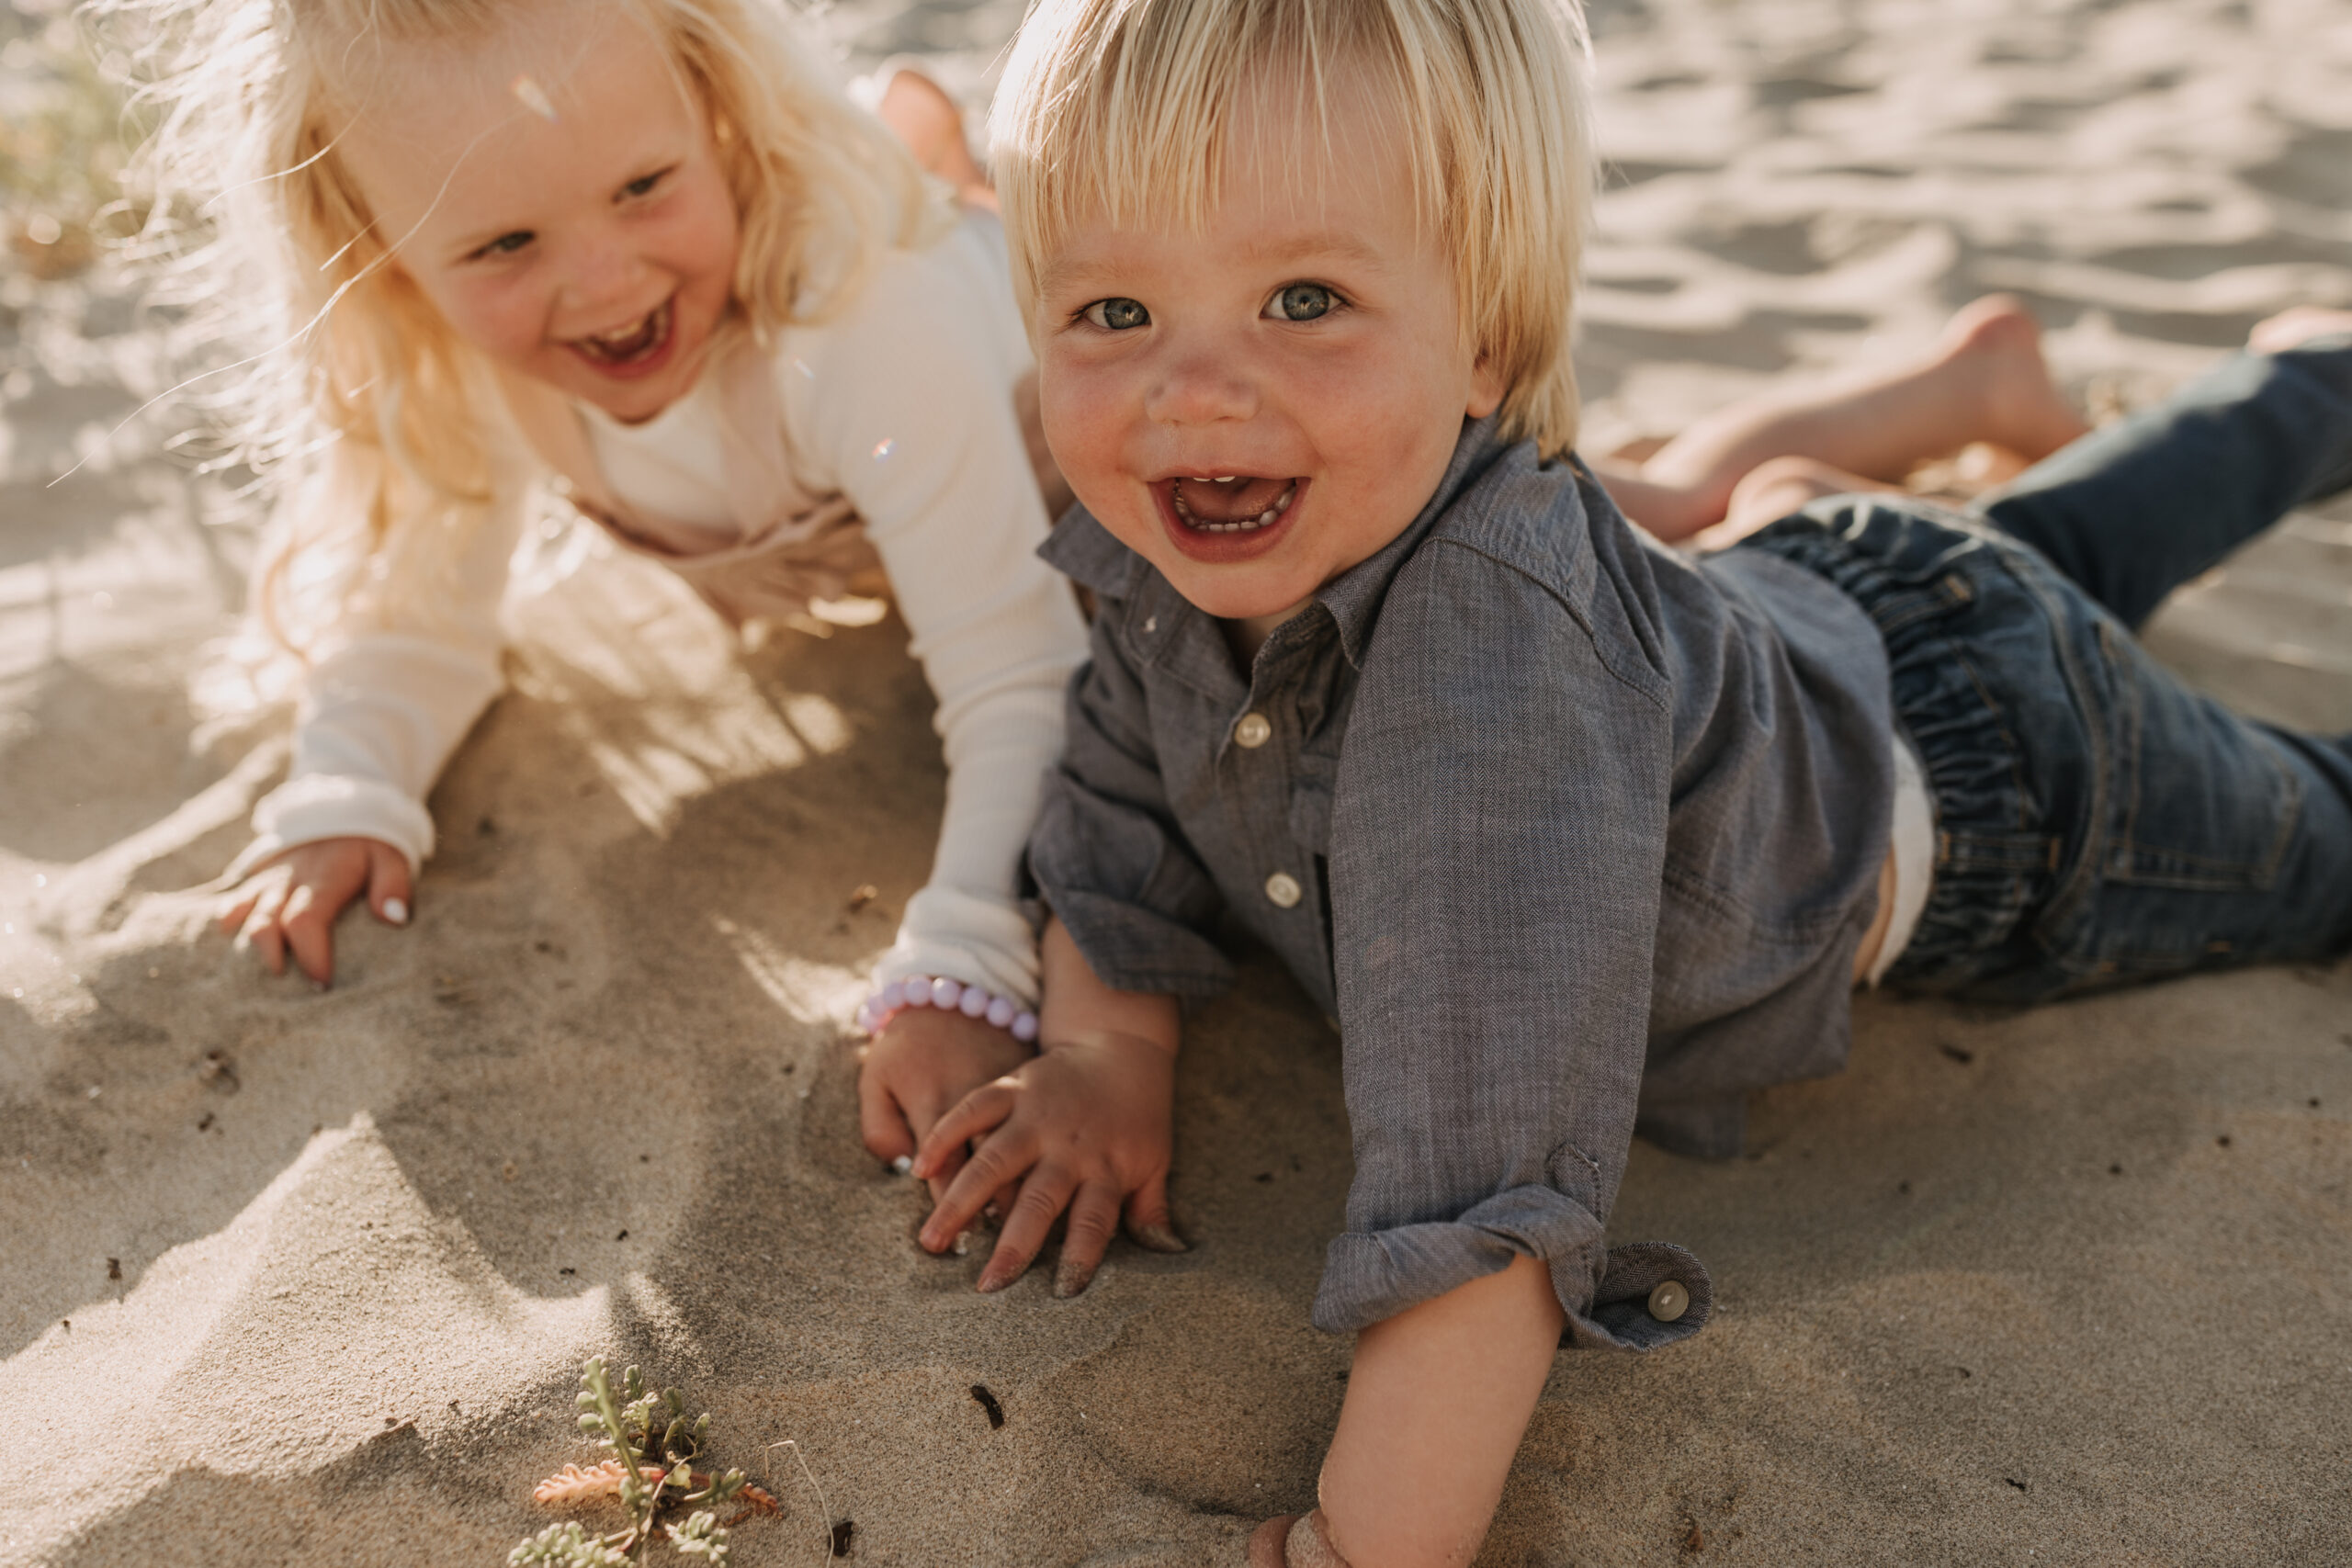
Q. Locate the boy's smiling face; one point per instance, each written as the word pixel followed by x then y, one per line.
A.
pixel 1256 405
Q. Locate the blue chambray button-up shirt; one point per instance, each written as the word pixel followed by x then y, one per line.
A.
pixel 1568 831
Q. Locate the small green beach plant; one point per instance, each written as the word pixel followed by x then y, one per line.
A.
pixel 653 1448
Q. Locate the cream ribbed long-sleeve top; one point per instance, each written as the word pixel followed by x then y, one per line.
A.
pixel 902 408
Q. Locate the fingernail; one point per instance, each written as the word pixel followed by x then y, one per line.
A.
pixel 1158 1238
pixel 1069 1279
pixel 396 911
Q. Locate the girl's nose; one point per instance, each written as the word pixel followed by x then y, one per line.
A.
pixel 603 271
pixel 1200 387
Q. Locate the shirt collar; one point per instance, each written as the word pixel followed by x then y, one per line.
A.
pixel 1082 549
pixel 1354 598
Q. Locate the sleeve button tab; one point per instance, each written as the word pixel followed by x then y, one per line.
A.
pixel 1669 1301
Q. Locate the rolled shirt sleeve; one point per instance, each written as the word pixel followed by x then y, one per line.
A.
pixel 1495 866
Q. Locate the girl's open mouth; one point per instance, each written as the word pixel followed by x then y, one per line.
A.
pixel 1223 519
pixel 633 349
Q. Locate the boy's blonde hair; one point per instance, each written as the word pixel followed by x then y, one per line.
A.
pixel 1122 111
pixel 251 95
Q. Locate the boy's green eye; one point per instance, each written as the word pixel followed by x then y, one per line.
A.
pixel 1117 315
pixel 1301 302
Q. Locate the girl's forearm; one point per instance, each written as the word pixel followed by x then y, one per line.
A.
pixel 1438 1400
pixel 1077 1003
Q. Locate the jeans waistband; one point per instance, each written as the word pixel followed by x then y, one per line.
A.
pixel 1950 603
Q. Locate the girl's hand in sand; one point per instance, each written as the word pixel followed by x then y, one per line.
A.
pixel 290 903
pixel 923 1062
pixel 1084 1126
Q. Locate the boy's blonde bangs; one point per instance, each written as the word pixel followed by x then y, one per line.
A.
pixel 1122 111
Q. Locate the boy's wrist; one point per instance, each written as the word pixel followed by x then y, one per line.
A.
pixel 1064 1038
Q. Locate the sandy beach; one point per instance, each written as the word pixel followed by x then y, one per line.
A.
pixel 305 1277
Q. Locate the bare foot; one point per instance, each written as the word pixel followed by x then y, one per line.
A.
pixel 1996 342
pixel 2295 327
pixel 927 122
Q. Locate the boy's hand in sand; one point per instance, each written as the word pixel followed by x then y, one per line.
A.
pixel 290 903
pixel 923 1062
pixel 1084 1126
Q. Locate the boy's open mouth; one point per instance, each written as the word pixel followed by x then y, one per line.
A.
pixel 633 347
pixel 1231 504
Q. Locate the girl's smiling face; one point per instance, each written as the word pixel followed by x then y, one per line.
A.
pixel 1256 405
pixel 595 249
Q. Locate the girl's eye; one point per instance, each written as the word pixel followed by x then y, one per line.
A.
pixel 506 244
pixel 1301 302
pixel 643 184
pixel 1117 315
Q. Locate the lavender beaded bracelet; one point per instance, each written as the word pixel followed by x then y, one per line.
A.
pixel 876 1013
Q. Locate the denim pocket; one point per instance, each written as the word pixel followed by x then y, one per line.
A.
pixel 2209 804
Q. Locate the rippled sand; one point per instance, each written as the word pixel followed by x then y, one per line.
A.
pixel 2067 1286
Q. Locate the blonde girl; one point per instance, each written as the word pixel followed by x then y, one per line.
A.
pixel 642 249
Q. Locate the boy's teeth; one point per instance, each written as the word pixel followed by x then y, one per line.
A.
pixel 1240 526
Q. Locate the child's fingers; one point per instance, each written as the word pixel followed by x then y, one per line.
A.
pixel 1148 1218
pixel 387 883
pixel 1266 1542
pixel 260 931
pixel 240 905
pixel 1042 1198
pixel 1093 1217
pixel 308 920
pixel 880 1121
pixel 943 1173
pixel 975 1115
pixel 998 1162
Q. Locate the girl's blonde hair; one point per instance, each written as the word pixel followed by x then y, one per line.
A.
pixel 251 95
pixel 1122 111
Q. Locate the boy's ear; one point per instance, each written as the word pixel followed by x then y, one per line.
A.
pixel 1485 388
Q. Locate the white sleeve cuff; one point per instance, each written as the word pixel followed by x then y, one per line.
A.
pixel 972 941
pixel 327 805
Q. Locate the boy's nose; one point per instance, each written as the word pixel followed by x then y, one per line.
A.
pixel 1201 388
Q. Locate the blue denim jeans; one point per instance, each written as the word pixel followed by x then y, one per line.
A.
pixel 2098 821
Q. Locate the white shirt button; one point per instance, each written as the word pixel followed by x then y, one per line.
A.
pixel 1282 890
pixel 1253 731
pixel 1669 1301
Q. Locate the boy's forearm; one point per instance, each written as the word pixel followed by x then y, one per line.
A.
pixel 1077 1003
pixel 1438 1400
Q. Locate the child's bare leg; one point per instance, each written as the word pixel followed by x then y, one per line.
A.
pixel 2293 328
pixel 1984 379
pixel 920 111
